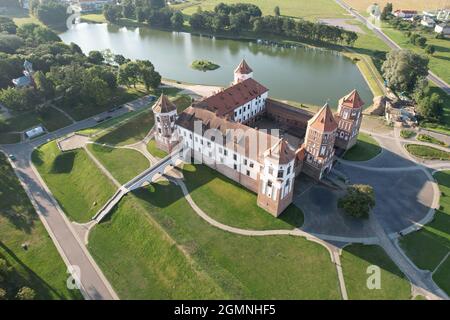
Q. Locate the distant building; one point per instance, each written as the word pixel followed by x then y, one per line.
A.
pixel 405 14
pixel 91 5
pixel 224 132
pixel 427 22
pixel 443 29
pixel 443 15
pixel 27 79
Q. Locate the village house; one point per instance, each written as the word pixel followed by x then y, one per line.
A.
pixel 225 131
pixel 443 29
pixel 405 14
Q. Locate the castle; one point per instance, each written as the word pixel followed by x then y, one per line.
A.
pixel 226 132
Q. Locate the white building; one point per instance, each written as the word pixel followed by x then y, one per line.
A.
pixel 443 29
pixel 427 22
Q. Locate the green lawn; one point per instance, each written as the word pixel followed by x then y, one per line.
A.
pixel 229 203
pixel 355 261
pixel 123 164
pixel 51 118
pixel 74 179
pixel 130 132
pixel 441 275
pixel 311 10
pixel 121 96
pixel 426 152
pixel 40 267
pixel 203 262
pixel 20 16
pixel 155 151
pixel 429 246
pixel 430 139
pixel 365 149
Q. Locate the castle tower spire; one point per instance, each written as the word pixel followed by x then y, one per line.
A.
pixel 242 72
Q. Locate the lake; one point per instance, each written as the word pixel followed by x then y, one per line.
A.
pixel 302 74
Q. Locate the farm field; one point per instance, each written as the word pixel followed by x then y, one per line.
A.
pixel 307 9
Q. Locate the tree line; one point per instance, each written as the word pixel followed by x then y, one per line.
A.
pixel 153 12
pixel 50 12
pixel 229 19
pixel 64 74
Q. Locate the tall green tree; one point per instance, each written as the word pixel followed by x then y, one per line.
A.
pixel 403 68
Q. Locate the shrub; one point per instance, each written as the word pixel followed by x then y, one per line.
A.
pixel 358 201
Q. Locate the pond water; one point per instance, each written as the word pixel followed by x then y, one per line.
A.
pixel 301 74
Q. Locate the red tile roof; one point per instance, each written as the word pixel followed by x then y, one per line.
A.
pixel 352 100
pixel 163 105
pixel 243 68
pixel 323 120
pixel 247 141
pixel 224 102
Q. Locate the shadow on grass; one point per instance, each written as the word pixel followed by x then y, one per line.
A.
pixel 63 163
pixel 15 280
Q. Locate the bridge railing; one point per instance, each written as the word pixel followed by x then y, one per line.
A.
pixel 174 154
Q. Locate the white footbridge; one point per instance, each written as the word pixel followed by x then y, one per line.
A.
pixel 140 180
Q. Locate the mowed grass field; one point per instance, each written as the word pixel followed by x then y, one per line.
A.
pixel 428 247
pixel 165 259
pixel 307 9
pixel 362 5
pixel 39 267
pixel 79 186
pixel 132 131
pixel 123 164
pixel 356 259
pixel 365 149
pixel 238 207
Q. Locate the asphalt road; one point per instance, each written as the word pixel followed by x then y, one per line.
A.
pixel 431 76
pixel 94 285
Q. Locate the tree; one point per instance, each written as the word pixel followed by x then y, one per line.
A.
pixel 51 12
pixel 276 10
pixel 119 59
pixel 18 99
pixel 25 293
pixel 9 43
pixel 177 20
pixel 95 57
pixel 430 107
pixel 128 74
pixel 149 77
pixel 157 4
pixel 387 11
pixel 403 68
pixel 44 86
pixel 112 13
pixel 358 201
pixel 2 294
pixel 7 25
pixel 421 41
pixel 430 49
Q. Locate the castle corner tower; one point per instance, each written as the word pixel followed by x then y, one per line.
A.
pixel 349 117
pixel 165 115
pixel 276 183
pixel 319 143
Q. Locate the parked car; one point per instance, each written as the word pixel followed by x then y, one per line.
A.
pixel 12 157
